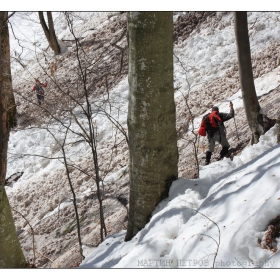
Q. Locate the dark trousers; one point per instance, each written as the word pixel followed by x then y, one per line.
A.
pixel 40 98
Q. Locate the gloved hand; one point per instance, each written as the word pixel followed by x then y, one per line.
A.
pixel 230 105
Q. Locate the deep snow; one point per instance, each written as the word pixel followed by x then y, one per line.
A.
pixel 239 196
pixel 231 193
pixel 178 235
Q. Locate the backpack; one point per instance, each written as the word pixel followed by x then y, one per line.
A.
pixel 209 124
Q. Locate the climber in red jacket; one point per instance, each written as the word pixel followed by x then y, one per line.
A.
pixel 38 87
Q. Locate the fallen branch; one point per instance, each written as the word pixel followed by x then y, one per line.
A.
pixel 47 259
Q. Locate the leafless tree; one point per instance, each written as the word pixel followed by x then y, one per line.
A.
pixel 11 255
pixel 278 134
pixel 151 115
pixel 73 98
pixel 62 145
pixel 193 139
pixel 252 107
pixel 50 31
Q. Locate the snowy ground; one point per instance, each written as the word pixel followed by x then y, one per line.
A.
pixel 28 39
pixel 219 220
pixel 215 221
pixel 174 237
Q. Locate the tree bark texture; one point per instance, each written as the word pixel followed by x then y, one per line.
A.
pixel 250 100
pixel 151 114
pixel 49 31
pixel 278 133
pixel 7 77
pixel 11 255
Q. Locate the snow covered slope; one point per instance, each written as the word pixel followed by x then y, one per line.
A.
pixel 42 194
pixel 219 220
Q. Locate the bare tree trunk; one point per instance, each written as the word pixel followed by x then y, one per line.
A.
pixel 11 255
pixel 151 115
pixel 278 133
pixel 74 196
pixel 7 82
pixel 49 31
pixel 92 135
pixel 251 104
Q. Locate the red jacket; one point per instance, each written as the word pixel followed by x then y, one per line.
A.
pixel 39 89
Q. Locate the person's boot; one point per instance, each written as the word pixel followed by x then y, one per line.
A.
pixel 208 157
pixel 223 152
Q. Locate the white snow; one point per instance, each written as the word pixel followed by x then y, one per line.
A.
pixel 27 37
pixel 239 196
pixel 215 220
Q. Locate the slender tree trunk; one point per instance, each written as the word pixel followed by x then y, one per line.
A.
pixel 11 255
pixel 49 31
pixel 74 200
pixel 251 103
pixel 278 133
pixel 151 114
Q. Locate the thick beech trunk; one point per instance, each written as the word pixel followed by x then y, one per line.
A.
pixel 151 114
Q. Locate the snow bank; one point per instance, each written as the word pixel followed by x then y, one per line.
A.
pixel 215 221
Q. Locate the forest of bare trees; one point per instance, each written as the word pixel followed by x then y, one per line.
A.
pixel 143 50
